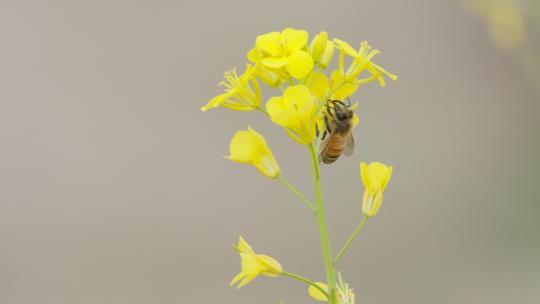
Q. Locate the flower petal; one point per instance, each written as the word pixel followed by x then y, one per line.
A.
pixel 327 56
pixel 319 85
pixel 275 62
pixel 242 149
pixel 237 278
pixel 296 112
pixel 377 174
pixel 273 267
pixel 298 94
pixel 253 265
pixel 246 280
pixel 345 47
pixel 271 77
pixel 295 136
pixel 243 246
pixel 318 46
pixel 316 294
pixel 355 120
pixel 249 147
pixel 269 43
pixel 294 39
pixel 300 64
pixel 340 87
pixel 276 104
pixel 253 55
pixel 387 178
pixel 219 100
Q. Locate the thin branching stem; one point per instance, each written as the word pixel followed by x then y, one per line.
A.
pixel 304 280
pixel 351 239
pixel 297 192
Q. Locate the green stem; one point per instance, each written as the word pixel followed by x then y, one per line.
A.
pixel 262 110
pixel 323 230
pixel 307 281
pixel 297 192
pixel 351 238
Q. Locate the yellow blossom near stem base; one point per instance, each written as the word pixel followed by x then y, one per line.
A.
pixel 345 294
pixel 249 147
pixel 375 177
pixel 254 265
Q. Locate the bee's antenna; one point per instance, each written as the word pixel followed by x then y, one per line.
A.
pixel 340 103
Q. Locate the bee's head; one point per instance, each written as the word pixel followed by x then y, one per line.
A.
pixel 341 111
pixel 344 113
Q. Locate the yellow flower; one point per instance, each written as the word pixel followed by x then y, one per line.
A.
pixel 361 61
pixel 249 147
pixel 296 111
pixel 321 49
pixel 254 265
pixel 316 293
pixel 341 88
pixel 239 94
pixel 319 85
pixel 273 78
pixel 343 297
pixel 375 177
pixel 285 50
pixel 335 88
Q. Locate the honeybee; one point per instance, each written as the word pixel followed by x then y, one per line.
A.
pixel 338 123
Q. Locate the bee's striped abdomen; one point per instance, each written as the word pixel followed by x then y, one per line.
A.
pixel 333 148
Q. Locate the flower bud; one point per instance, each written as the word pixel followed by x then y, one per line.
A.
pixel 375 177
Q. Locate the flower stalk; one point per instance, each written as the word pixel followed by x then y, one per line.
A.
pixel 323 230
pixel 304 280
pixel 297 192
pixel 351 239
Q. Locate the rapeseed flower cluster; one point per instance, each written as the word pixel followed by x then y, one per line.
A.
pixel 308 106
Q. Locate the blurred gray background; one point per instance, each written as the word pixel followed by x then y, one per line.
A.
pixel 113 186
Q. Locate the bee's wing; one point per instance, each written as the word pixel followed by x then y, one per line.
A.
pixel 349 146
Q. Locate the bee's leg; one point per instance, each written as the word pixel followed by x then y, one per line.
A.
pixel 317 132
pixel 328 109
pixel 327 124
pixel 324 135
pixel 349 101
